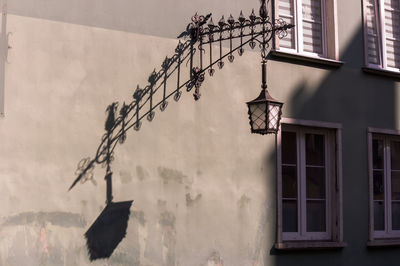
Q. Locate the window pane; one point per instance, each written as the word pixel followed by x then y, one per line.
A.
pixel 395 215
pixel 316 216
pixel 273 115
pixel 395 155
pixel 315 182
pixel 311 10
pixel 371 18
pixel 377 154
pixel 379 188
pixel 289 40
pixel 286 12
pixel 393 53
pixel 286 7
pixel 312 26
pixel 315 150
pixel 289 181
pixel 392 24
pixel 395 185
pixel 379 216
pixel 372 30
pixel 312 37
pixel 373 50
pixel 392 4
pixel 289 216
pixel 258 112
pixel 289 150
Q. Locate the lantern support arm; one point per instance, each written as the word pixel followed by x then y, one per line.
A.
pixel 202 34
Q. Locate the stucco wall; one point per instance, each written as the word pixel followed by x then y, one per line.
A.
pixel 203 186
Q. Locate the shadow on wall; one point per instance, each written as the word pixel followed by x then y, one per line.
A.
pixel 356 100
pixel 108 230
pixel 110 227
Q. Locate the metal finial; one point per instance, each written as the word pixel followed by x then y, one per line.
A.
pixel 221 22
pixel 137 95
pixel 211 24
pixel 241 17
pixel 152 77
pixel 252 15
pixel 231 20
pixel 165 64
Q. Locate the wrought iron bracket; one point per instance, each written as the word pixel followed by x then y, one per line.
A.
pixel 201 36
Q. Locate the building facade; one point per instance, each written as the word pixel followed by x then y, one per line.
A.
pixel 205 190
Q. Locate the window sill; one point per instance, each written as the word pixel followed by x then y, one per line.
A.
pixel 384 243
pixel 382 72
pixel 308 59
pixel 309 245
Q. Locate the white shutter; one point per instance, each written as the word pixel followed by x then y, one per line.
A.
pixel 372 32
pixel 287 13
pixel 392 32
pixel 312 26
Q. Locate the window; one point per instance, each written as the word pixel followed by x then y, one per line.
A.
pixel 309 194
pixel 314 32
pixel 384 185
pixel 382 34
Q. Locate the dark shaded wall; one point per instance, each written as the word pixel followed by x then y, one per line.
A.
pixel 357 100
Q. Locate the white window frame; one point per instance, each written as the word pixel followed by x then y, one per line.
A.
pixel 334 224
pixel 386 135
pixel 381 31
pixel 329 30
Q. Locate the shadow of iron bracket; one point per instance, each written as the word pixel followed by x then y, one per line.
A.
pixel 110 227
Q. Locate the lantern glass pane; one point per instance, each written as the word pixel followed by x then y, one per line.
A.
pixel 273 116
pixel 258 115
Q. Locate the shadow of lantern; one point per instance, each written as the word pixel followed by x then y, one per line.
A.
pixel 108 230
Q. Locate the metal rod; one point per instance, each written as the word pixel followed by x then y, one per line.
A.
pixel 191 60
pixel 151 97
pixel 178 72
pixel 108 176
pixel 247 23
pixel 211 71
pixel 201 52
pixel 181 86
pixel 267 31
pixel 165 85
pixel 230 42
pixel 109 187
pixel 264 74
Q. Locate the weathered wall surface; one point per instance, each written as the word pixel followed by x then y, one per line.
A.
pixel 202 189
pixel 203 186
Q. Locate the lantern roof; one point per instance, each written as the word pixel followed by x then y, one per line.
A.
pixel 264 96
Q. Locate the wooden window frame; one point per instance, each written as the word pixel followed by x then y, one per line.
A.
pixel 381 31
pixel 388 236
pixel 334 235
pixel 329 30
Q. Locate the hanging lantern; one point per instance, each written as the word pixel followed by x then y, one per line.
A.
pixel 264 111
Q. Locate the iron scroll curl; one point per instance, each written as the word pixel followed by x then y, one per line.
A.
pixel 197 40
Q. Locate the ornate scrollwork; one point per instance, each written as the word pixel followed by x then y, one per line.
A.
pixel 203 34
pixel 198 78
pixel 195 29
pixel 281 28
pixel 85 169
